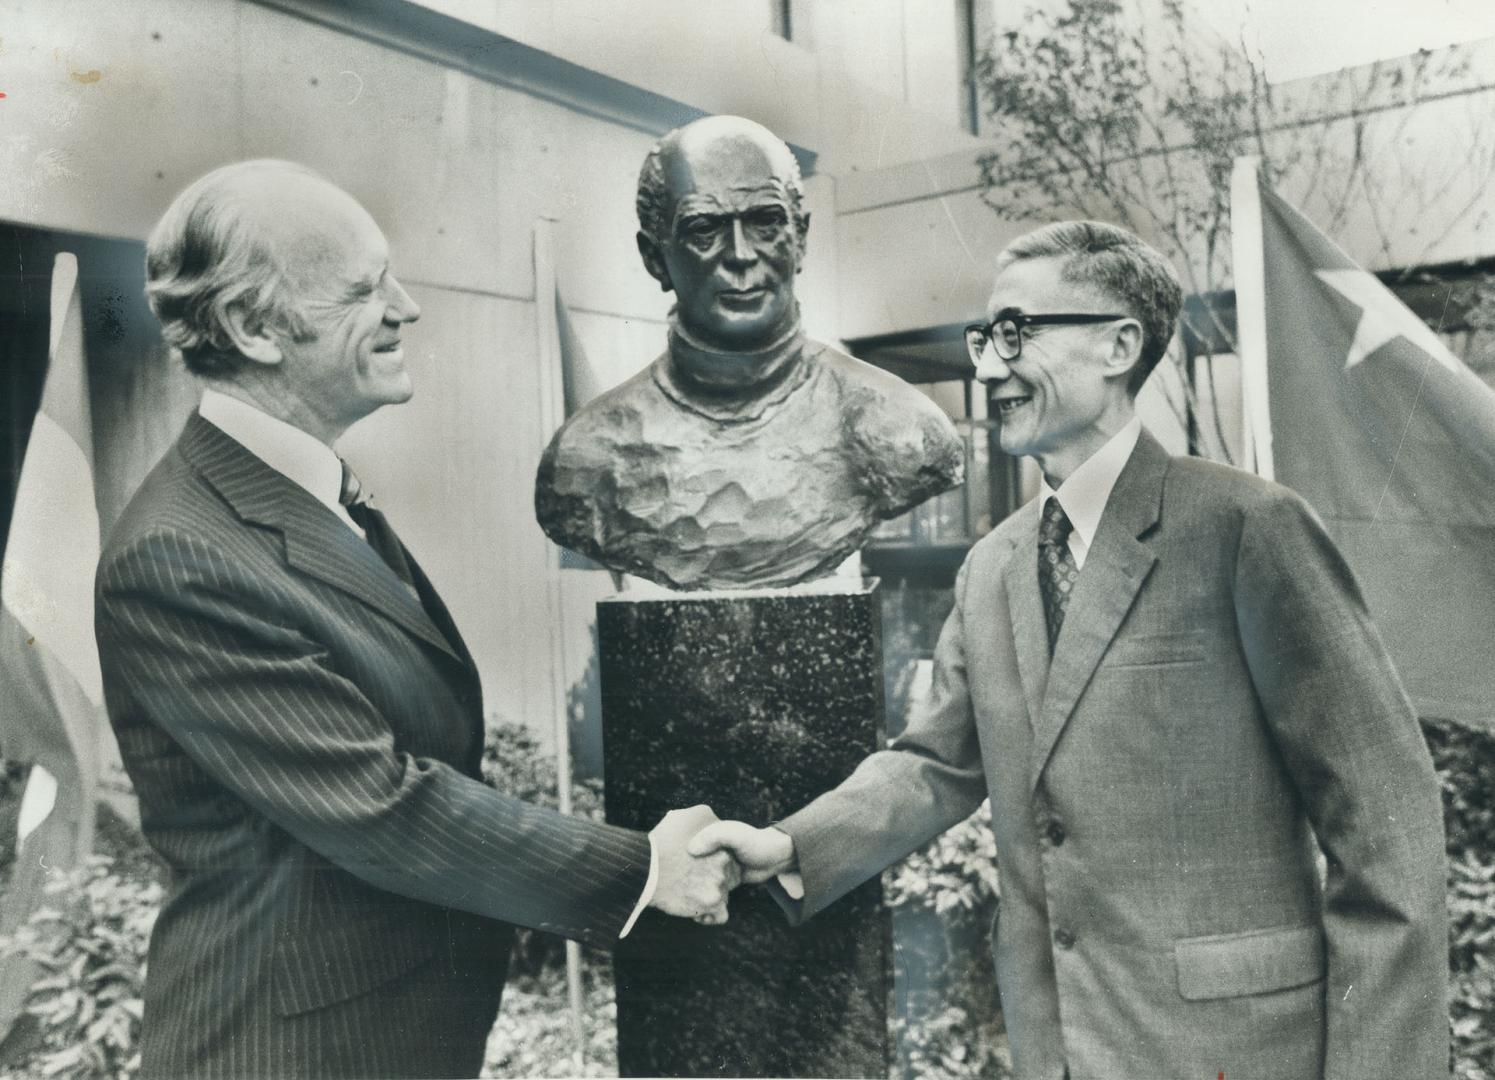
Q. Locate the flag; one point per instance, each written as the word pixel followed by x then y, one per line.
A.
pixel 51 693
pixel 1387 434
pixel 579 380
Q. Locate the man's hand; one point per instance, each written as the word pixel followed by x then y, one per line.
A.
pixel 691 887
pixel 761 853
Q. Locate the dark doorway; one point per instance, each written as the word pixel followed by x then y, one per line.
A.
pixel 138 397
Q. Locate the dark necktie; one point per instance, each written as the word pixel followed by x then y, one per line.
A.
pixel 375 527
pixel 1057 572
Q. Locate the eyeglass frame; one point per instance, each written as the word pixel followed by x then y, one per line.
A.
pixel 1019 321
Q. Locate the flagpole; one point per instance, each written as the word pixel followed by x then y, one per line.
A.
pixel 1248 263
pixel 552 415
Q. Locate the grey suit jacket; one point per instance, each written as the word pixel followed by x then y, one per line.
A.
pixel 1218 698
pixel 304 736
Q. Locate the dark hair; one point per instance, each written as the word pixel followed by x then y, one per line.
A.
pixel 1122 266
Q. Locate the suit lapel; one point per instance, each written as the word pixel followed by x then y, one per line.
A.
pixel 1115 568
pixel 1025 609
pixel 316 542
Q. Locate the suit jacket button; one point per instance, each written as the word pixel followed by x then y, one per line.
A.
pixel 1056 832
pixel 1064 939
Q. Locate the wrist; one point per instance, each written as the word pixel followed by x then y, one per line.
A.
pixel 784 847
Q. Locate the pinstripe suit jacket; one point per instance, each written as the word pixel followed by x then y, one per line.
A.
pixel 305 736
pixel 1217 699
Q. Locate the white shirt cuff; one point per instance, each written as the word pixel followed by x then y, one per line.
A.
pixel 793 884
pixel 649 887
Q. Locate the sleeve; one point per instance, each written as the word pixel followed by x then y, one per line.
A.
pixel 1350 740
pixel 929 779
pixel 190 643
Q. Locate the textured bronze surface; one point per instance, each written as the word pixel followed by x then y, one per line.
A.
pixel 746 455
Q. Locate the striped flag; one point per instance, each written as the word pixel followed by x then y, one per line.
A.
pixel 51 694
pixel 1387 433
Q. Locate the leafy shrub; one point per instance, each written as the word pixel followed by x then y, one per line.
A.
pixel 954 872
pixel 516 764
pixel 952 1043
pixel 1465 760
pixel 534 1037
pixel 90 944
pixel 956 1029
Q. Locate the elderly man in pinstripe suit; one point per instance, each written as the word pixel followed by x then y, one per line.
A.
pixel 299 715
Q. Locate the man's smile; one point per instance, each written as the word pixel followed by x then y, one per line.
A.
pixel 1009 405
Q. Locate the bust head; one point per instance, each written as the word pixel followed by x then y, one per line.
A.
pixel 745 455
pixel 722 226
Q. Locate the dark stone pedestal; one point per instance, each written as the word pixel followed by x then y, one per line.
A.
pixel 752 703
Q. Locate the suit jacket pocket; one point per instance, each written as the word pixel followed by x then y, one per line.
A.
pixel 1255 962
pixel 1155 650
pixel 344 961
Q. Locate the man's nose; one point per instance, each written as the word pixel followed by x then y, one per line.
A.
pixel 990 367
pixel 402 307
pixel 739 251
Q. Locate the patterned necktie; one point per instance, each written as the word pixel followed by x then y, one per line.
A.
pixel 375 526
pixel 1057 572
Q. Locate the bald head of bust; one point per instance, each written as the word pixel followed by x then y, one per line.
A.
pixel 723 227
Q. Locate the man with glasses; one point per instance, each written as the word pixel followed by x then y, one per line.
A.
pixel 1164 677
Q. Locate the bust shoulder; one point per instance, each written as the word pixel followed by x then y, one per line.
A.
pixel 616 416
pixel 910 447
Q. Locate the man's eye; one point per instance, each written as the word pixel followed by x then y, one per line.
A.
pixel 701 229
pixel 768 219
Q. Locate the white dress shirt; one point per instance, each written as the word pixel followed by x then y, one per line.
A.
pixel 303 459
pixel 1085 494
pixel 313 465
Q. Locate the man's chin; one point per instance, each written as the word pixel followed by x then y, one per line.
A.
pixel 394 391
pixel 1014 444
pixel 740 335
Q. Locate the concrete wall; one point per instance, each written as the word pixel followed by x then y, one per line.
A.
pixel 458 145
pixel 864 83
pixel 110 109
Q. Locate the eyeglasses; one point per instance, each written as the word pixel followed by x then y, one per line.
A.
pixel 1005 333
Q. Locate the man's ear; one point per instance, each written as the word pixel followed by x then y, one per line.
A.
pixel 649 251
pixel 1126 348
pixel 252 336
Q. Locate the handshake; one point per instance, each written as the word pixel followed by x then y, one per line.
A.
pixel 702 859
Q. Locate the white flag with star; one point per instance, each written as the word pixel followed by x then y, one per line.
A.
pixel 1358 404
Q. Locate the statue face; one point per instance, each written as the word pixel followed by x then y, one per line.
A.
pixel 733 247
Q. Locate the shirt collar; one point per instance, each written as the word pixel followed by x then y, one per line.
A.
pixel 301 458
pixel 1087 490
pixel 731 387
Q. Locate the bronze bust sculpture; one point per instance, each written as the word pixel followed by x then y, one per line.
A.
pixel 746 455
